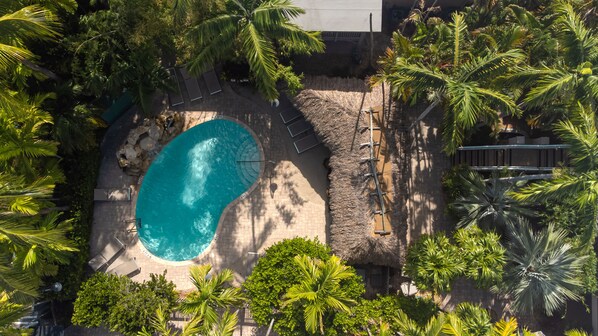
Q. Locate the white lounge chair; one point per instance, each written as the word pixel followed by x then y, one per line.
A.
pixel 192 85
pixel 111 250
pixel 306 143
pixel 126 267
pixel 112 194
pixel 299 127
pixel 175 97
pixel 212 82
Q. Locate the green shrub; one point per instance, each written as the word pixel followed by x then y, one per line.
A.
pixel 433 263
pixel 134 311
pixel 420 310
pixel 369 313
pixel 452 186
pixel 164 289
pixel 121 304
pixel 81 171
pixel 97 297
pixel 275 273
pixel 483 255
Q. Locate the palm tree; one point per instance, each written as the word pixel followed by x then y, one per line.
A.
pixel 542 270
pixel 455 326
pixel 474 318
pixel 212 292
pixel 574 76
pixel 408 327
pixel 465 87
pixel 483 254
pixel 20 25
pixel 486 204
pixel 10 312
pixel 319 292
pixel 225 326
pixel 466 320
pixel 576 332
pixel 23 135
pixel 433 262
pixel 16 195
pixel 256 31
pixel 580 181
pixel 15 280
pixel 160 326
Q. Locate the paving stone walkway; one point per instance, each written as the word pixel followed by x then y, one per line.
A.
pixel 288 201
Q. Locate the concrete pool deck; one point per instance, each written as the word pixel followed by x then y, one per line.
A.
pixel 288 201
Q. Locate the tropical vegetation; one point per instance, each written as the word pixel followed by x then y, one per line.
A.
pixel 122 305
pixel 434 262
pixel 256 32
pixel 63 62
pixel 542 271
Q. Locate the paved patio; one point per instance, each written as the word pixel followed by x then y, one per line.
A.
pixel 288 201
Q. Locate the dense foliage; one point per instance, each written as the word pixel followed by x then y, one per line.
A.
pixel 542 270
pixel 121 48
pixel 63 61
pixel 369 314
pixel 121 304
pixel 256 32
pixel 433 262
pixel 275 274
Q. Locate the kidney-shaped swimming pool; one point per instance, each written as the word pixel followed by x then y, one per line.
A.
pixel 190 183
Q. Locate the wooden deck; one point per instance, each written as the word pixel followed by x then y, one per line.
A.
pixel 516 157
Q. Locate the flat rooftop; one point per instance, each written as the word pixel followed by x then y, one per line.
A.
pixel 340 15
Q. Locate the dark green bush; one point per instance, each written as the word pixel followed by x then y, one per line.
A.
pixel 275 273
pixel 97 297
pixel 121 304
pixel 134 311
pixel 369 313
pixel 164 289
pixel 81 171
pixel 452 186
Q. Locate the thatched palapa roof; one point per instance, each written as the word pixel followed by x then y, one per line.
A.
pixel 333 106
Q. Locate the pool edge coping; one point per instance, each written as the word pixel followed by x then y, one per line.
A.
pixel 196 260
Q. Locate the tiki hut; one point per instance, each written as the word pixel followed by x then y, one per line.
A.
pixel 335 107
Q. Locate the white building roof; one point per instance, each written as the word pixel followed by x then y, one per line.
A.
pixel 340 15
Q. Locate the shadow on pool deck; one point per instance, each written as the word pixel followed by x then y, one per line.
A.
pixel 288 201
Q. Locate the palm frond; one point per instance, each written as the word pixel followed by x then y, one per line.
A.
pixel 260 55
pixel 550 87
pixel 269 14
pixel 505 328
pixel 542 270
pixel 489 67
pixel 580 133
pixel 458 29
pixel 31 22
pixel 226 325
pixel 576 332
pixel 579 42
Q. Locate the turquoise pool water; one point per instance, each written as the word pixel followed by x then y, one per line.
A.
pixel 189 184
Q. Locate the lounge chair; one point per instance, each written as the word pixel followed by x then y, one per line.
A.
pixel 126 268
pixel 289 114
pixel 306 143
pixel 192 85
pixel 111 250
pixel 175 97
pixel 212 82
pixel 112 194
pixel 298 127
